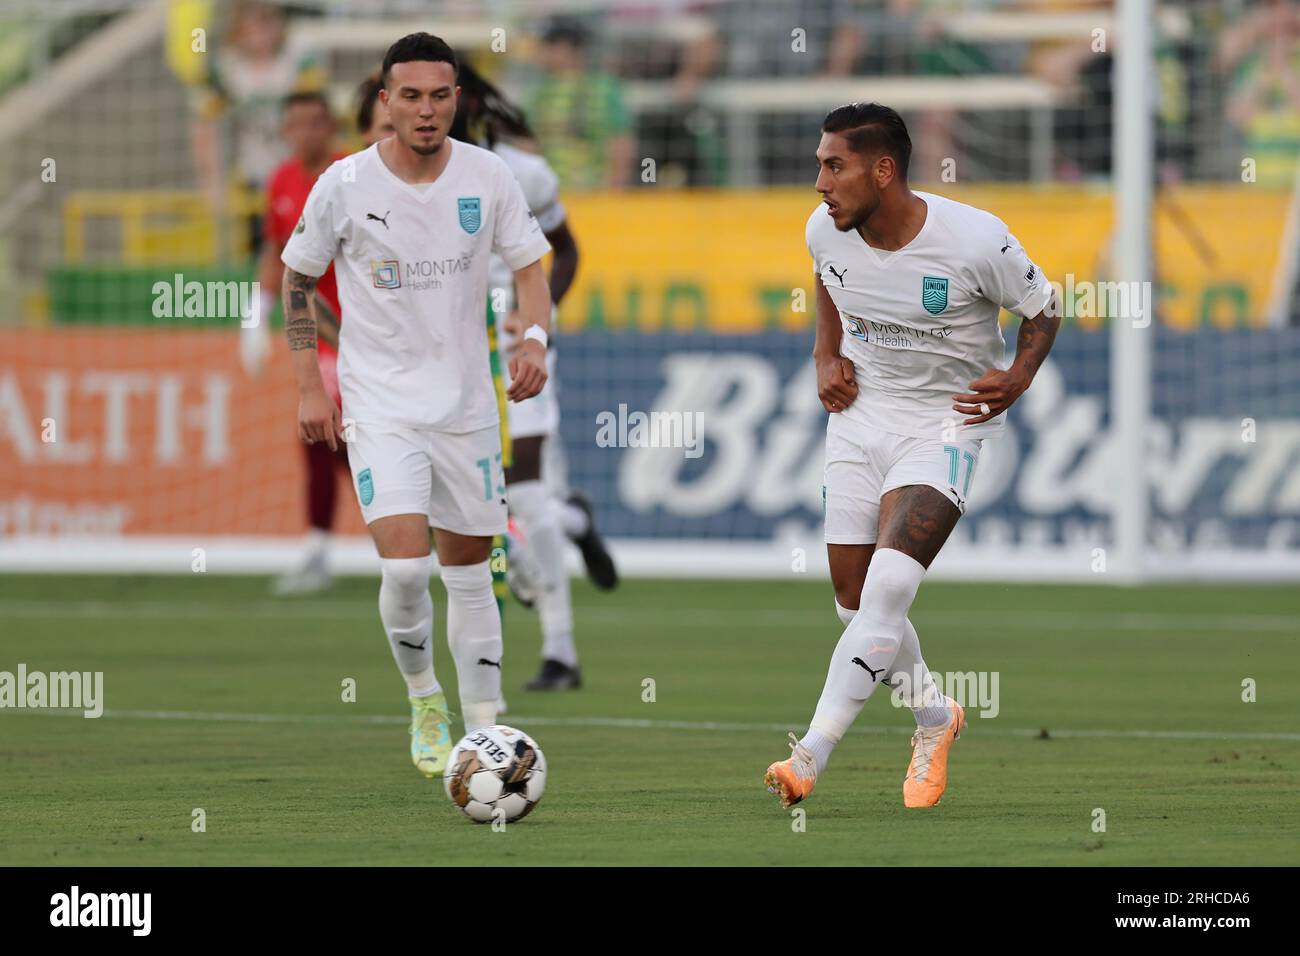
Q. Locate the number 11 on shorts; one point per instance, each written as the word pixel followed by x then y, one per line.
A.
pixel 955 455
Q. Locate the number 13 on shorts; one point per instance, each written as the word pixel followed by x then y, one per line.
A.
pixel 486 466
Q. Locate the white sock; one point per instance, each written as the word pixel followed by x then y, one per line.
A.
pixel 870 643
pixel 911 677
pixel 406 609
pixel 846 615
pixel 318 540
pixel 915 684
pixel 573 519
pixel 474 636
pixel 821 746
pixel 818 743
pixel 533 509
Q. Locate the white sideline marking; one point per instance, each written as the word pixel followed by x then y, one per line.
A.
pixel 629 723
pixel 775 618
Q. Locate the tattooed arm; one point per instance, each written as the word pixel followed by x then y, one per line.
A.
pixel 998 389
pixel 327 323
pixel 318 416
pixel 1034 342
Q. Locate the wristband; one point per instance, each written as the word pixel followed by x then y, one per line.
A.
pixel 537 334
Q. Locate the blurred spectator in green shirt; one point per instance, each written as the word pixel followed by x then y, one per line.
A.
pixel 578 113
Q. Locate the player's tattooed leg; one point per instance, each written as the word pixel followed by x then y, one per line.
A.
pixel 916 519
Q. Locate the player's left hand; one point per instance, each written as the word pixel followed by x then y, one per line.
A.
pixel 991 394
pixel 527 371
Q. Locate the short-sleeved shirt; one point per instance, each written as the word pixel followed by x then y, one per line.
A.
pixel 412 268
pixel 921 323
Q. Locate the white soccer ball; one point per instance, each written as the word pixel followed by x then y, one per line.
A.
pixel 496 773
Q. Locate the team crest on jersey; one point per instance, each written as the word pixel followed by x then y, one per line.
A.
pixel 934 294
pixel 470 219
pixel 386 273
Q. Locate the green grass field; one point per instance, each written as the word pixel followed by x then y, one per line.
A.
pixel 222 698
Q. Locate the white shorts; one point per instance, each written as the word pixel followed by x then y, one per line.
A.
pixel 455 479
pixel 863 465
pixel 539 415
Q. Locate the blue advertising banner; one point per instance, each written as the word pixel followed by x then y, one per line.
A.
pixel 746 433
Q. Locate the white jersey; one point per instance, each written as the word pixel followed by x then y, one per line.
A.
pixel 542 193
pixel 920 324
pixel 412 268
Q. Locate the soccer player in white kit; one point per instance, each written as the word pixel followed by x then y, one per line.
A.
pixel 485 116
pixel 909 289
pixel 410 224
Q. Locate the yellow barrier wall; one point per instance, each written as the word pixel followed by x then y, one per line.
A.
pixel 728 261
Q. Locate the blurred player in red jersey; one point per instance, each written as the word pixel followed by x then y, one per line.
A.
pixel 309 129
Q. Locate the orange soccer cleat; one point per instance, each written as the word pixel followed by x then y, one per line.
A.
pixel 927 774
pixel 792 779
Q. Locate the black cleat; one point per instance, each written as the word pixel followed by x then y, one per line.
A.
pixel 599 562
pixel 555 676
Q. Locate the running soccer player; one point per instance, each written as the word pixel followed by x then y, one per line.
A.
pixel 486 117
pixel 909 289
pixel 410 223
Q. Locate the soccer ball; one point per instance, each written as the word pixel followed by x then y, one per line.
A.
pixel 496 773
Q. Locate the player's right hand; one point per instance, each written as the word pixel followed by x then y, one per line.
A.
pixel 836 385
pixel 319 419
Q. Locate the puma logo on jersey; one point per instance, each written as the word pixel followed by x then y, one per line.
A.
pixel 414 647
pixel 838 275
pixel 1007 246
pixel 383 218
pixel 487 663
